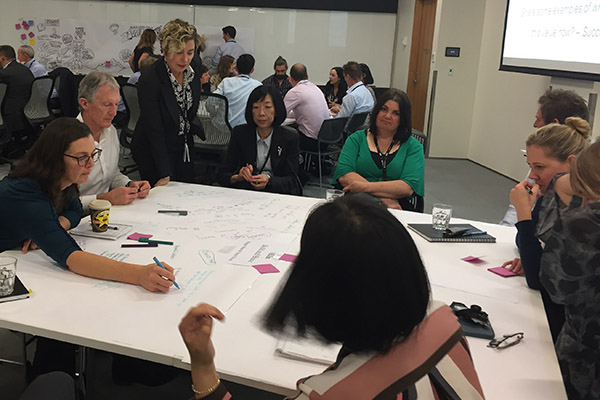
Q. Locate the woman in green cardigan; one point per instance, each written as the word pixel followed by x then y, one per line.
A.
pixel 384 161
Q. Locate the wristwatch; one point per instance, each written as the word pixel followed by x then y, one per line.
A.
pixel 268 174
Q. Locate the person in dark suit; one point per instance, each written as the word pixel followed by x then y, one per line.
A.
pixel 169 94
pixel 263 155
pixel 19 79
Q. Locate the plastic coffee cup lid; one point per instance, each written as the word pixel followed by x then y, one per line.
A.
pixel 100 204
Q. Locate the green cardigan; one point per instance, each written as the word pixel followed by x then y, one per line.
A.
pixel 408 164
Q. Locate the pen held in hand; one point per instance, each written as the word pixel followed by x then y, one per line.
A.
pixel 163 267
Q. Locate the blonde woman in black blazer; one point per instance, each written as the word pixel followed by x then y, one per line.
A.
pixel 276 170
pixel 169 94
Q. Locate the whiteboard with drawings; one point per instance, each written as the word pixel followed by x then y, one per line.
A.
pixel 90 34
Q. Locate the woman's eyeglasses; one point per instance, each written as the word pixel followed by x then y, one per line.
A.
pixel 506 341
pixel 82 161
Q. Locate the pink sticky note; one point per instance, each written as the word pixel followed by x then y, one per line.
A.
pixel 31 34
pixel 24 23
pixel 136 236
pixel 472 259
pixel 107 63
pixel 503 272
pixel 288 257
pixel 265 268
pixel 17 26
pixel 23 36
pixel 26 27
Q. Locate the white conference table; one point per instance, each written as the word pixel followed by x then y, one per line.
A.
pixel 224 233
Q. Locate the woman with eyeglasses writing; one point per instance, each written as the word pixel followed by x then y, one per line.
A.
pixel 39 202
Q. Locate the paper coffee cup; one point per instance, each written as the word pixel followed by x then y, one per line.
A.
pixel 99 211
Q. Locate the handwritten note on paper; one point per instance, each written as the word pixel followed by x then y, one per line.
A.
pixel 193 284
pixel 113 255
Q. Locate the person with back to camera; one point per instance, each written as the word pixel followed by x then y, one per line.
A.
pixel 357 99
pixel 551 151
pixel 262 154
pixel 169 94
pixel 368 79
pixel 390 331
pixel 336 87
pixel 225 69
pixel 143 49
pixel 569 272
pixel 384 161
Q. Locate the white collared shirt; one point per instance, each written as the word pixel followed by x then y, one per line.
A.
pixel 105 174
pixel 262 154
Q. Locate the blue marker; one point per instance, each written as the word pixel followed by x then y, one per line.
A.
pixel 475 233
pixel 163 267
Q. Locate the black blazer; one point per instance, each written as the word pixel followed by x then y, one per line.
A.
pixel 284 153
pixel 19 79
pixel 155 139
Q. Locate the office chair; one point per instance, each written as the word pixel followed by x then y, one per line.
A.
pixel 37 110
pixel 331 132
pixel 356 123
pixel 129 95
pixel 421 137
pixel 5 135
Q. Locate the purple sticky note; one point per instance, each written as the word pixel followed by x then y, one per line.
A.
pixel 136 236
pixel 23 36
pixel 503 272
pixel 17 26
pixel 31 34
pixel 473 260
pixel 265 268
pixel 288 257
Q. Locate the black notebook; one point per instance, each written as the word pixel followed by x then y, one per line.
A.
pixel 470 234
pixel 19 292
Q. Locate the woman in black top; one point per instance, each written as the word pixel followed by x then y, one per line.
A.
pixel 169 93
pixel 144 46
pixel 336 87
pixel 262 154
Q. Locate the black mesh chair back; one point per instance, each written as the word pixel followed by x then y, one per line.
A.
pixel 130 98
pixel 356 122
pixel 5 134
pixel 213 115
pixel 129 94
pixel 66 88
pixel 37 110
pixel 329 141
pixel 3 87
pixel 421 137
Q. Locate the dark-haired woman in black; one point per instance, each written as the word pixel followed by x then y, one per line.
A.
pixel 262 154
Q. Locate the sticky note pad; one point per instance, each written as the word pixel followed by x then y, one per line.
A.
pixel 473 260
pixel 136 236
pixel 23 36
pixel 288 257
pixel 265 268
pixel 503 272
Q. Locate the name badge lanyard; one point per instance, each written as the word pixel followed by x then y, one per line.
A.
pixel 383 157
pixel 186 126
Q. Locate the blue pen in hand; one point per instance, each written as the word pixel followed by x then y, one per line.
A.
pixel 163 267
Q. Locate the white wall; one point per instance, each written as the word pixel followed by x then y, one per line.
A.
pixel 460 25
pixel 404 28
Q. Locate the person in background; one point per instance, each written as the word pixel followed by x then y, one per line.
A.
pixel 368 79
pixel 230 47
pixel 225 69
pixel 306 104
pixel 169 94
pixel 555 105
pixel 279 80
pixel 238 88
pixel 121 118
pixel 551 150
pixel 143 49
pixel 25 55
pixel 336 87
pixel 204 78
pixel 262 154
pixel 381 355
pixel 18 79
pixel 384 161
pixel 98 100
pixel 569 272
pixel 358 99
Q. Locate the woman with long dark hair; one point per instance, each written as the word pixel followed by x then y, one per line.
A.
pixel 336 87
